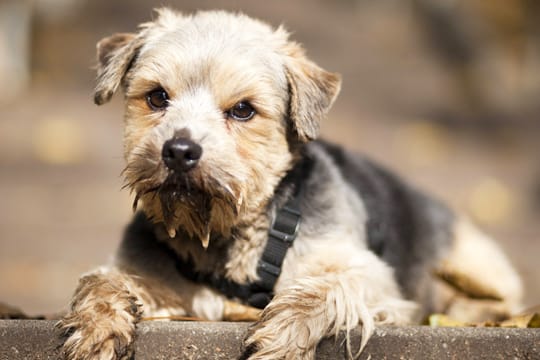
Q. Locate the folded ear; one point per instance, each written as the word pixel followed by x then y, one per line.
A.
pixel 115 55
pixel 312 91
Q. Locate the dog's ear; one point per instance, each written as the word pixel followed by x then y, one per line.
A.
pixel 114 54
pixel 312 92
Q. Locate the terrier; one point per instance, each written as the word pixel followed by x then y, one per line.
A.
pixel 240 204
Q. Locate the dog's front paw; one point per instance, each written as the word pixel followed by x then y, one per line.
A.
pixel 270 341
pixel 285 331
pixel 105 335
pixel 102 320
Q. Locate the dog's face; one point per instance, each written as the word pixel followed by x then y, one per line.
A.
pixel 213 103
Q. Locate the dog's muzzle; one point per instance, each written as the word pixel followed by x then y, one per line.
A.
pixel 181 154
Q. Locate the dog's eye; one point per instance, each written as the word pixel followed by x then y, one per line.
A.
pixel 242 111
pixel 157 99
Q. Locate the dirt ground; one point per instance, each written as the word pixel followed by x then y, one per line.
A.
pixel 62 210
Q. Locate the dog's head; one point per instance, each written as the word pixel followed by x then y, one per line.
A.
pixel 213 103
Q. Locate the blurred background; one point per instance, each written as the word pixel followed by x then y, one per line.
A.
pixel 445 92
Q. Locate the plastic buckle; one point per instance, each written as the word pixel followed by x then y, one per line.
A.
pixel 286 236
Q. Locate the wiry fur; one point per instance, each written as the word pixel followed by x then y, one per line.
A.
pixel 319 302
pixel 367 247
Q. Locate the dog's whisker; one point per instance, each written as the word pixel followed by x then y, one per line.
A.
pixel 156 193
pixel 154 189
pixel 135 202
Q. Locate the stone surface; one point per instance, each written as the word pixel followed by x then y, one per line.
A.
pixel 37 339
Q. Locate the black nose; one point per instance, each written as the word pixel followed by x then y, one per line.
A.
pixel 181 154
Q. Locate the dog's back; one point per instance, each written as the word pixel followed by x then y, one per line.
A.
pixel 424 242
pixel 406 228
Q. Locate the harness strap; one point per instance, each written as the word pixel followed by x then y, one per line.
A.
pixel 281 235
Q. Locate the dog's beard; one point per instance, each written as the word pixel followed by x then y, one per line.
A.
pixel 196 203
pixel 197 206
pixel 179 198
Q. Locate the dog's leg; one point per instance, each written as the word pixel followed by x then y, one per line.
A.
pixel 484 285
pixel 109 302
pixel 336 291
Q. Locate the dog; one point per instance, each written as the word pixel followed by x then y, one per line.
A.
pixel 241 207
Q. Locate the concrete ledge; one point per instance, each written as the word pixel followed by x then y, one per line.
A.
pixel 37 339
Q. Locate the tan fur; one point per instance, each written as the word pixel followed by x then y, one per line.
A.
pixel 103 329
pixel 218 213
pixel 201 94
pixel 313 90
pixel 483 285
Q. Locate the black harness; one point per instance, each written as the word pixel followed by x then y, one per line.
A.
pixel 281 234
